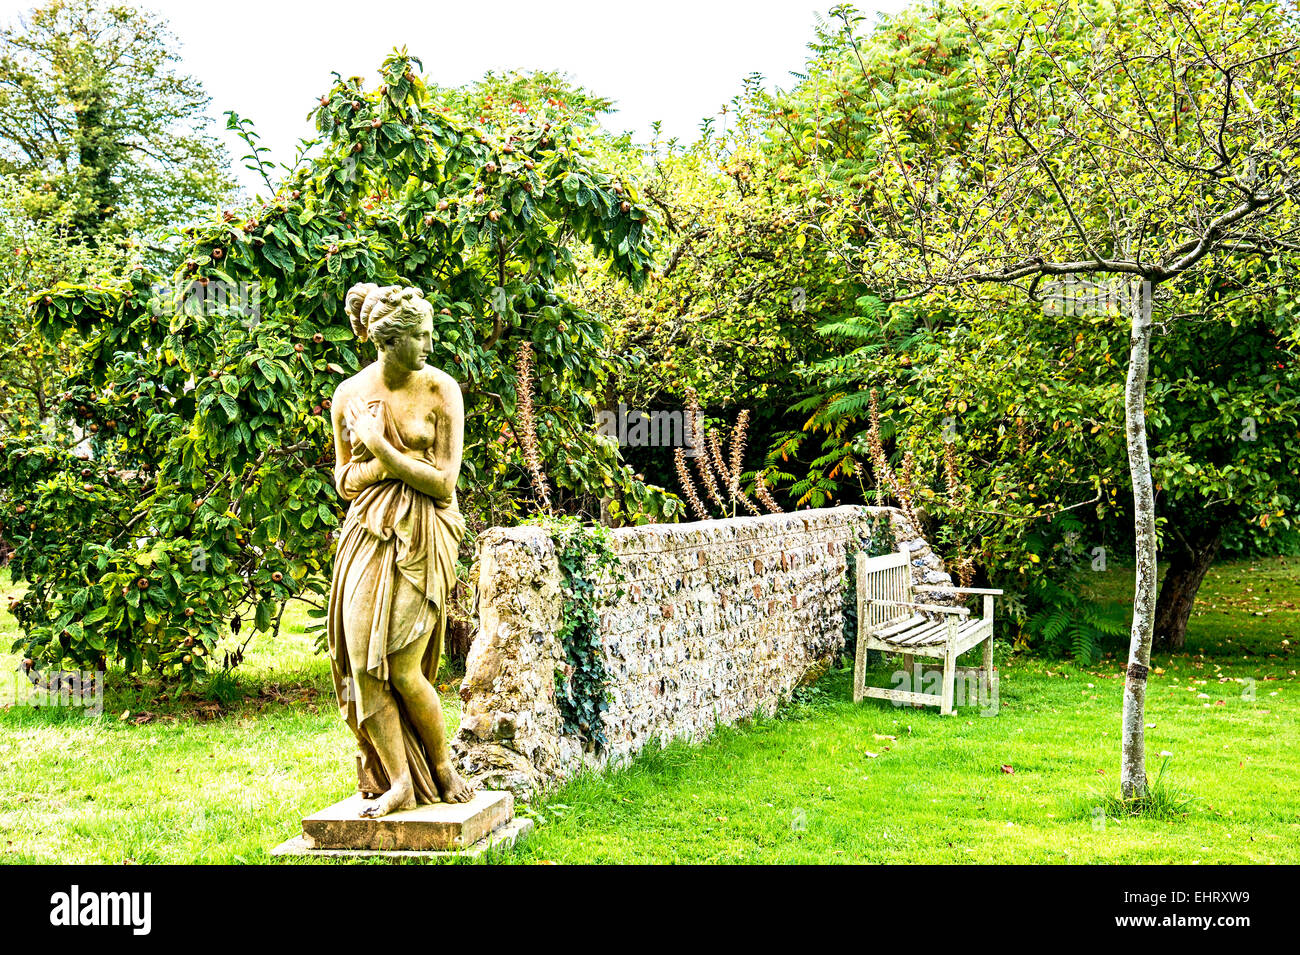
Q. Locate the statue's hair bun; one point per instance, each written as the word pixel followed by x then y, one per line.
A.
pixel 358 296
pixel 380 312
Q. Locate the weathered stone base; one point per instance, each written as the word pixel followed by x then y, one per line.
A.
pixel 499 839
pixel 440 827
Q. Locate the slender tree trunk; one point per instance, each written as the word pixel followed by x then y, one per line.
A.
pixel 1185 569
pixel 1133 776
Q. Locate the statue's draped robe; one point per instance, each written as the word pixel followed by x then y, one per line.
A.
pixel 391 532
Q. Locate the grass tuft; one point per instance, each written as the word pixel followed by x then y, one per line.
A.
pixel 1163 800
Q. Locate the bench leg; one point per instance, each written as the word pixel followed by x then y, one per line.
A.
pixel 949 675
pixel 988 667
pixel 859 670
pixel 915 674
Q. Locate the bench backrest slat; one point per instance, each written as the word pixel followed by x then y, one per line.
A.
pixel 888 577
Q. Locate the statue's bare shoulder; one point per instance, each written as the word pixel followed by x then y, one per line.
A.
pixel 441 383
pixel 349 388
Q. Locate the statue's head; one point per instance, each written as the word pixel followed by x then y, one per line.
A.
pixel 398 320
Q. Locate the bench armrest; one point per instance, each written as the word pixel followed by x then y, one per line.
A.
pixel 964 590
pixel 936 608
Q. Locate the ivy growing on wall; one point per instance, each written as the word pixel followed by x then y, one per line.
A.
pixel 584 553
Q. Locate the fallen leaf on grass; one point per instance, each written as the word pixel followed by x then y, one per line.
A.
pixel 1010 770
pixel 883 736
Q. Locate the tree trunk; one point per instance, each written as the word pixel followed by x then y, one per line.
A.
pixel 460 630
pixel 1133 776
pixel 1187 566
pixel 460 635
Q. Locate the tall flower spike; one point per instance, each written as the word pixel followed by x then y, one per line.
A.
pixel 749 505
pixel 526 425
pixel 702 459
pixel 763 494
pixel 715 453
pixel 688 486
pixel 885 477
pixel 738 448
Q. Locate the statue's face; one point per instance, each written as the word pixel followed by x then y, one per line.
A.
pixel 412 347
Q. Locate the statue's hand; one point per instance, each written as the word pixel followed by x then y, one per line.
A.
pixel 365 424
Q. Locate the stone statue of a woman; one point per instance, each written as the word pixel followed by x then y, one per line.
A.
pixel 398 436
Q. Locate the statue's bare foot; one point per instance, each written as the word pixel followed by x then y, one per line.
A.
pixel 450 786
pixel 400 796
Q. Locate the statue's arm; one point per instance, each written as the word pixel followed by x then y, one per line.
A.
pixel 351 477
pixel 450 445
pixel 359 475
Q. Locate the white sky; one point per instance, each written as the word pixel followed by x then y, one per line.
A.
pixel 674 60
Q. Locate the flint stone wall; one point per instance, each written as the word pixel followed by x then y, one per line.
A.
pixel 718 621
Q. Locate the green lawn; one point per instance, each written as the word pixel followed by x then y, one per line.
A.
pixel 191 780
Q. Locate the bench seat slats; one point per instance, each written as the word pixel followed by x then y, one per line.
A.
pixel 902 626
pixel 928 633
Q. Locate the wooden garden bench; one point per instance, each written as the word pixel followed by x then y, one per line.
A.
pixel 890 620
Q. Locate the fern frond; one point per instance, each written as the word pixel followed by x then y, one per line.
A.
pixel 1057 620
pixel 854 406
pixel 1082 643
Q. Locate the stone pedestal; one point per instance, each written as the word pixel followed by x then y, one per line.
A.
pixel 486 821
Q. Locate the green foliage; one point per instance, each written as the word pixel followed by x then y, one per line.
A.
pixel 955 144
pixel 808 700
pixel 499 100
pixel 1026 406
pixel 37 254
pixel 835 396
pixel 741 290
pixel 1225 423
pixel 582 688
pixel 206 393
